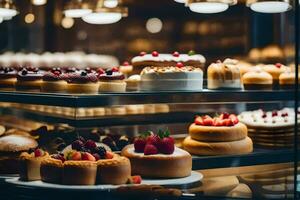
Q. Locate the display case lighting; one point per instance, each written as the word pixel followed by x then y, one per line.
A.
pixel 269 6
pixel 77 9
pixel 210 6
pixel 38 2
pixel 7 9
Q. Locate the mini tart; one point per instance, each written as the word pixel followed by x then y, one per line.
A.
pixel 8 78
pixel 218 133
pixel 30 166
pixel 29 80
pixel 257 80
pixel 51 170
pixel 82 83
pixel 176 165
pixel 54 82
pixel 287 80
pixel 114 171
pixel 113 82
pixel 79 173
pixel 218 148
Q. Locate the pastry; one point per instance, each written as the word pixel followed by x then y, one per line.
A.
pixel 118 110
pixel 149 108
pixel 8 77
pixel 224 75
pixel 257 80
pixel 287 80
pixel 30 164
pixel 112 81
pixel 178 77
pixel 275 71
pixel 82 82
pixel 220 135
pixel 52 169
pixel 126 68
pixel 54 81
pixel 132 109
pixel 99 111
pixel 156 156
pixel 133 82
pixel 161 108
pixel 11 146
pixel 29 79
pixel 163 60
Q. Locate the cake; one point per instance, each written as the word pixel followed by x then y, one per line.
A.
pixel 126 68
pixel 163 60
pixel 257 80
pixel 30 164
pixel 54 81
pixel 177 77
pixel 287 80
pixel 29 79
pixel 221 135
pixel 275 70
pixel 155 156
pixel 82 82
pixel 8 78
pixel 11 146
pixel 112 81
pixel 133 82
pixel 224 75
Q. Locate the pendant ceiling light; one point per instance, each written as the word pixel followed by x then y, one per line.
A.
pixel 210 6
pixel 77 9
pixel 38 2
pixel 7 9
pixel 181 1
pixel 105 15
pixel 269 6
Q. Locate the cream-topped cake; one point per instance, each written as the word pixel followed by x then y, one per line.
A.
pixel 179 77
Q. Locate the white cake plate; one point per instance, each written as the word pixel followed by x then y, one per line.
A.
pixel 195 177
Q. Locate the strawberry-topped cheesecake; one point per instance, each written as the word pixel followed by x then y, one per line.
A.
pixel 30 164
pixel 54 81
pixel 155 156
pixel 223 134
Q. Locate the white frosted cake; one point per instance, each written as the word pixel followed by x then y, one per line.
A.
pixel 171 78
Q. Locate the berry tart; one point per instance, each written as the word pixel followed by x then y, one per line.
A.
pixel 82 82
pixel 8 77
pixel 112 81
pixel 275 71
pixel 224 75
pixel 30 164
pixel 163 60
pixel 29 79
pixel 155 156
pixel 220 135
pixel 54 81
pixel 257 80
pixel 178 77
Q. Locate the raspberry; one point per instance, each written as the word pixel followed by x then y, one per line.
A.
pixel 38 152
pixel 150 150
pixel 167 145
pixel 139 145
pixel 179 65
pixel 274 114
pixel 155 54
pixel 90 144
pixel 77 145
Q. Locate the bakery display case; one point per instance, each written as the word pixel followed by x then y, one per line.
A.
pixel 198 110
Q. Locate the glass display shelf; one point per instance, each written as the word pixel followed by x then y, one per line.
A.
pixel 127 98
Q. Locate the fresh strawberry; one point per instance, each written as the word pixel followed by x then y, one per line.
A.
pixel 153 139
pixel 224 115
pixel 167 145
pixel 228 122
pixel 150 150
pixel 100 71
pixel 76 156
pixel 208 121
pixel 234 118
pixel 198 121
pixel 38 152
pixel 87 156
pixel 109 155
pixel 90 144
pixel 136 179
pixel 139 144
pixel 218 122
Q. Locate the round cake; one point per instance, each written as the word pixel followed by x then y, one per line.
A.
pixel 176 165
pixel 224 75
pixel 257 80
pixel 171 78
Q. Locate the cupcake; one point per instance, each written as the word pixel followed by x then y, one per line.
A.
pixel 29 79
pixel 54 81
pixel 133 82
pixel 112 81
pixel 257 80
pixel 30 164
pixel 287 80
pixel 275 71
pixel 82 82
pixel 8 78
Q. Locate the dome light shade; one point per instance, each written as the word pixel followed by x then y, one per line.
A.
pixel 38 2
pixel 269 6
pixel 7 9
pixel 181 1
pixel 210 6
pixel 102 18
pixel 77 9
pixel 111 3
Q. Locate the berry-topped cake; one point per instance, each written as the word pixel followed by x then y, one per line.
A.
pixel 8 77
pixel 178 77
pixel 163 60
pixel 29 79
pixel 82 81
pixel 112 80
pixel 220 135
pixel 54 81
pixel 155 156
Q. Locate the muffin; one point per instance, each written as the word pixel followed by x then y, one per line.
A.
pixel 275 71
pixel 54 81
pixel 11 146
pixel 29 79
pixel 257 80
pixel 287 80
pixel 112 81
pixel 30 164
pixel 8 78
pixel 82 82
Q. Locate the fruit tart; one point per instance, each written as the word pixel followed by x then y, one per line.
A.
pixel 29 79
pixel 54 81
pixel 82 82
pixel 8 77
pixel 155 156
pixel 30 164
pixel 112 81
pixel 52 169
